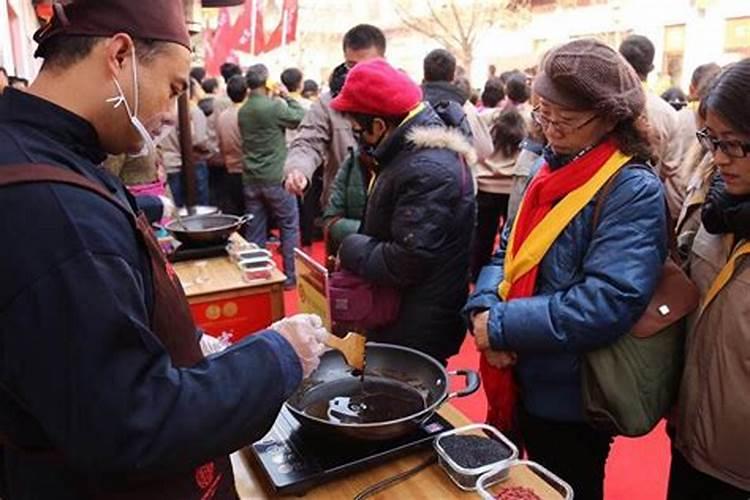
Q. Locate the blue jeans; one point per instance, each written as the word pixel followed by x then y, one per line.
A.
pixel 201 180
pixel 264 200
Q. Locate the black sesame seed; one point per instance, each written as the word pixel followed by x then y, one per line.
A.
pixel 472 452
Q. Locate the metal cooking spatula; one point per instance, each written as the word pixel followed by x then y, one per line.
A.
pixel 352 347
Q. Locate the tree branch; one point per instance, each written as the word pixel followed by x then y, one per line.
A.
pixel 462 31
pixel 413 23
pixel 457 17
pixel 436 18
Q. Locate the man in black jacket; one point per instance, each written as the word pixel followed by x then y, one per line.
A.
pixel 452 102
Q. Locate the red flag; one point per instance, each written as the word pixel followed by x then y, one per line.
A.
pixel 292 10
pixel 245 28
pixel 286 31
pixel 216 45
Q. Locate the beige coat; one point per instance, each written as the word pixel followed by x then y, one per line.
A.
pixel 324 138
pixel 230 140
pixel 494 173
pixel 663 121
pixel 687 126
pixel 480 131
pixel 713 427
pixel 700 164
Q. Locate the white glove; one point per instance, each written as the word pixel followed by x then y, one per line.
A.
pixel 168 207
pixel 306 334
pixel 212 345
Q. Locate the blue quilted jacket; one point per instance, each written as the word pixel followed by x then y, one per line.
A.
pixel 593 285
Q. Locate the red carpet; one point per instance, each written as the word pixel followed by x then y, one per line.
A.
pixel 637 468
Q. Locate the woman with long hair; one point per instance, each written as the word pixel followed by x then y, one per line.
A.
pixel 711 448
pixel 494 177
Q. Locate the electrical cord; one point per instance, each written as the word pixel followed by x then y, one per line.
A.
pixel 394 480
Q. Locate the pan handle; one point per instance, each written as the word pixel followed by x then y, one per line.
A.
pixel 245 219
pixel 472 383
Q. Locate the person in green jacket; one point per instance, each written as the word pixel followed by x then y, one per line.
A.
pixel 263 121
pixel 346 205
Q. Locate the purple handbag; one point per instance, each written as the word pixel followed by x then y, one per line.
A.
pixel 359 304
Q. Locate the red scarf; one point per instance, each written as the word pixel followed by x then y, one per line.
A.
pixel 548 187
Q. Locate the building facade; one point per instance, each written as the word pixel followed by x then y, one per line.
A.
pixel 686 33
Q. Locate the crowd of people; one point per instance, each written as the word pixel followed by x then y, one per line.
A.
pixel 420 181
pixel 559 192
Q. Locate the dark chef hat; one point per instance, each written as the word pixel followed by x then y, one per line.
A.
pixel 162 20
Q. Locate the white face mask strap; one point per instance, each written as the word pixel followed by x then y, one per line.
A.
pixel 119 99
pixel 136 89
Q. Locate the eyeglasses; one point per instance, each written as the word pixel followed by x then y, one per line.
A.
pixel 563 127
pixel 734 149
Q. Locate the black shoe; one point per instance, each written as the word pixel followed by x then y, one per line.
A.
pixel 290 284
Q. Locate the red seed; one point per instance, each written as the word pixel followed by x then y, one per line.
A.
pixel 517 493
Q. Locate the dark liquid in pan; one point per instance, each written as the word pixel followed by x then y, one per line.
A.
pixel 365 402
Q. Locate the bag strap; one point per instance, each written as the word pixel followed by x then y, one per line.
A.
pixel 671 231
pixel 725 274
pixel 603 193
pixel 31 173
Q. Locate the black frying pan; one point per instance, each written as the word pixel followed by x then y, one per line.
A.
pixel 206 230
pixel 402 368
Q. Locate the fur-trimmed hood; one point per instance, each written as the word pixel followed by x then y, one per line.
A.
pixel 435 137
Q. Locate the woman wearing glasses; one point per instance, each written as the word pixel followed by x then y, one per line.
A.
pixel 563 283
pixel 711 455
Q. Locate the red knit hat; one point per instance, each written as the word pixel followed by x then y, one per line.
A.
pixel 376 88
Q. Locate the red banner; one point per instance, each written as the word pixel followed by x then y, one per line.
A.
pixel 285 30
pixel 262 26
pixel 219 46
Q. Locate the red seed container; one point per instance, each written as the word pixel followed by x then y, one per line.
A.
pixel 547 485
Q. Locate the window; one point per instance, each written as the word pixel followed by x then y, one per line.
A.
pixel 737 37
pixel 674 52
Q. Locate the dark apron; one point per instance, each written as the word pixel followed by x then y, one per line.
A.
pixel 171 322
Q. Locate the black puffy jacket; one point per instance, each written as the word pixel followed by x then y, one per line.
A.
pixel 417 232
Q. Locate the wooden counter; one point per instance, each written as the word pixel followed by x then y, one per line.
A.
pixel 430 484
pixel 223 302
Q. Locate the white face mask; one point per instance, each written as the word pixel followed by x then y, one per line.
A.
pixel 155 130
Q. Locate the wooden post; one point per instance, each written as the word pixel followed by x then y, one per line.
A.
pixel 189 184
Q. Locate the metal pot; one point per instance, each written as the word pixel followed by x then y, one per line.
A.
pixel 206 230
pixel 403 367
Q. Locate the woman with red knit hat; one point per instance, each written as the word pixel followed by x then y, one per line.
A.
pixel 416 234
pixel 574 285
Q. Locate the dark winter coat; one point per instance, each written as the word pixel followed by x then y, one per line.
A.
pixel 346 205
pixel 417 231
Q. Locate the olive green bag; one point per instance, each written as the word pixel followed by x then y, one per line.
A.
pixel 629 386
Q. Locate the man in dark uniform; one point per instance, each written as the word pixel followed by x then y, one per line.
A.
pixel 104 392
